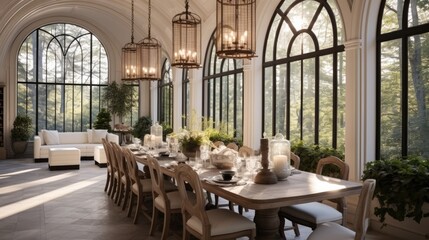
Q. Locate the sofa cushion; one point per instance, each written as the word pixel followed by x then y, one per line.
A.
pixel 51 137
pixel 98 135
pixel 73 138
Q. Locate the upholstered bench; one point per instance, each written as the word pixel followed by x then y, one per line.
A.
pixel 100 156
pixel 64 158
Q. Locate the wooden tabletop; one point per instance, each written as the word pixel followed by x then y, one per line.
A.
pixel 300 187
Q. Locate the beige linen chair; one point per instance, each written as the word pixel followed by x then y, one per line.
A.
pixel 210 224
pixel 330 230
pixel 114 181
pixel 140 188
pixel 109 179
pixel 314 213
pixel 124 179
pixel 165 202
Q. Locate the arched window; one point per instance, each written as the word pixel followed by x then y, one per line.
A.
pixel 223 91
pixel 185 97
pixel 402 79
pixel 62 69
pixel 304 73
pixel 165 95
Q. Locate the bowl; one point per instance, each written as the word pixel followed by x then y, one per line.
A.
pixel 221 161
pixel 227 174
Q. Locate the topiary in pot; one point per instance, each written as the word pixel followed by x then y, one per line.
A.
pixel 142 127
pixel 20 133
pixel 103 120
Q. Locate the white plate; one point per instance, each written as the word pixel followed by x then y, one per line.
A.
pixel 219 179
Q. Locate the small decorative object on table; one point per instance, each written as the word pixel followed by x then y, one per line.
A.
pixel 265 176
pixel 280 156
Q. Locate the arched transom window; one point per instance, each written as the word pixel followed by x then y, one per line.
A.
pixel 304 73
pixel 62 69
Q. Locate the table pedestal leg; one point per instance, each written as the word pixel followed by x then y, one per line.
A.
pixel 267 223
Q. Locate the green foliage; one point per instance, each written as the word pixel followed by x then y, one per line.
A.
pixel 22 128
pixel 166 129
pixel 220 133
pixel 103 120
pixel 311 154
pixel 402 187
pixel 119 98
pixel 142 127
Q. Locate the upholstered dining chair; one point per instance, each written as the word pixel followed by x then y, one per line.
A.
pixel 109 179
pixel 141 188
pixel 114 169
pixel 331 230
pixel 163 202
pixel 207 224
pixel 124 179
pixel 295 160
pixel 314 213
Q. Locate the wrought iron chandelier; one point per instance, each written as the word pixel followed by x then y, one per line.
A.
pixel 236 28
pixel 186 39
pixel 130 60
pixel 149 50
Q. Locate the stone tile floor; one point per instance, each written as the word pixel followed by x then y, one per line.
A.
pixel 39 204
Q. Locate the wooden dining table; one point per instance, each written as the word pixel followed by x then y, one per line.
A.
pixel 266 199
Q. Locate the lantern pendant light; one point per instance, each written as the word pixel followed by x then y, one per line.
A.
pixel 236 28
pixel 186 39
pixel 150 55
pixel 129 60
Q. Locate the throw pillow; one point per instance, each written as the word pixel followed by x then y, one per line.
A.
pixel 51 137
pixel 42 139
pixel 98 135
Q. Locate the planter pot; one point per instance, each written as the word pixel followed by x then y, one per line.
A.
pixel 191 153
pixel 19 147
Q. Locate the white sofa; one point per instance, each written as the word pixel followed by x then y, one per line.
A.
pixel 84 141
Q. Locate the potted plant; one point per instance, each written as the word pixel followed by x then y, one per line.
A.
pixel 142 127
pixel 191 140
pixel 119 99
pixel 20 133
pixel 103 120
pixel 402 187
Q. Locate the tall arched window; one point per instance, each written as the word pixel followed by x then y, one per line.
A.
pixel 165 95
pixel 62 69
pixel 402 79
pixel 223 91
pixel 303 73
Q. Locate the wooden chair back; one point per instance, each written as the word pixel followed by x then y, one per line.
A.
pixel 232 146
pixel 120 159
pixel 246 151
pixel 132 168
pixel 192 204
pixel 158 188
pixel 363 208
pixel 344 175
pixel 295 160
pixel 106 146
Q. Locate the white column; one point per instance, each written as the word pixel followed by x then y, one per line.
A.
pixel 177 99
pixel 354 145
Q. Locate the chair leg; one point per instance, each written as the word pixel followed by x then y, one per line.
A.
pixel 231 206
pixel 138 207
pixel 216 201
pixel 240 209
pixel 118 199
pixel 166 227
pixel 112 195
pixel 109 191
pixel 107 182
pixel 130 204
pixel 154 220
pixel 296 229
pixel 126 196
pixel 282 227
